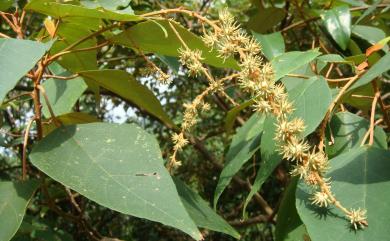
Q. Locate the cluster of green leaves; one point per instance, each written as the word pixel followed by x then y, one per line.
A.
pixel 121 167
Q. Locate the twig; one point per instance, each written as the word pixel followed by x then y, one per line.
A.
pixel 53 116
pixel 372 118
pixel 65 51
pixel 382 105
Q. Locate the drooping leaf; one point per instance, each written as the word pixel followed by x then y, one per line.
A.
pixel 289 226
pixel 290 61
pixel 311 100
pixel 370 34
pixel 232 114
pixel 244 144
pixel 68 119
pixel 347 131
pixel 17 57
pixel 14 198
pixel 272 44
pixel 201 213
pixel 265 18
pixel 124 85
pixel 117 166
pixel 376 70
pixel 270 157
pixel 158 37
pixel 338 23
pixel 360 179
pixel 62 10
pixel 68 34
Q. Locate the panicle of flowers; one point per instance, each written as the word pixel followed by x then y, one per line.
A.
pixel 192 60
pixel 258 79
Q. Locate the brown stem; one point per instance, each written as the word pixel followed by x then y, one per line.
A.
pixel 25 143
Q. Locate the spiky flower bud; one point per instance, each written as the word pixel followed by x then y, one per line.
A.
pixel 179 141
pixel 358 218
pixel 320 199
pixel 191 59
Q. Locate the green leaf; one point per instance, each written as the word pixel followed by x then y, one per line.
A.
pixel 114 6
pixel 201 213
pixel 360 178
pixel 5 4
pixel 68 34
pixel 62 94
pixel 117 166
pixel 69 119
pixel 370 34
pixel 265 18
pixel 348 131
pixel 311 100
pixel 17 58
pixel 376 70
pixel 171 62
pixel 14 198
pixel 124 85
pixel 150 37
pixel 368 11
pixel 291 82
pixel 244 144
pixel 61 10
pixel 272 44
pixel 290 61
pixel 337 22
pixel 270 157
pixel 232 114
pixel 289 226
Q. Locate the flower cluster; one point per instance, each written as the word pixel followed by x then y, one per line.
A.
pixel 257 79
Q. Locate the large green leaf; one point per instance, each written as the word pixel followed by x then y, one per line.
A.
pixel 68 119
pixel 290 61
pixel 117 166
pixel 123 84
pixel 270 157
pixel 272 44
pixel 14 198
pixel 289 226
pixel 311 100
pixel 360 178
pixel 338 23
pixel 376 70
pixel 265 18
pixel 62 10
pixel 348 131
pixel 5 4
pixel 17 57
pixel 244 144
pixel 200 212
pixel 370 34
pixel 68 34
pixel 158 37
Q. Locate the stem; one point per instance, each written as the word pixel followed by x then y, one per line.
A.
pixel 25 143
pixel 372 118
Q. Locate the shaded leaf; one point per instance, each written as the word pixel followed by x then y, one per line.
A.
pixel 117 166
pixel 370 34
pixel 289 226
pixel 348 131
pixel 68 34
pixel 272 44
pixel 265 18
pixel 244 144
pixel 232 114
pixel 201 213
pixel 62 10
pixel 360 178
pixel 338 23
pixel 17 57
pixel 123 84
pixel 69 119
pixel 149 37
pixel 290 61
pixel 14 198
